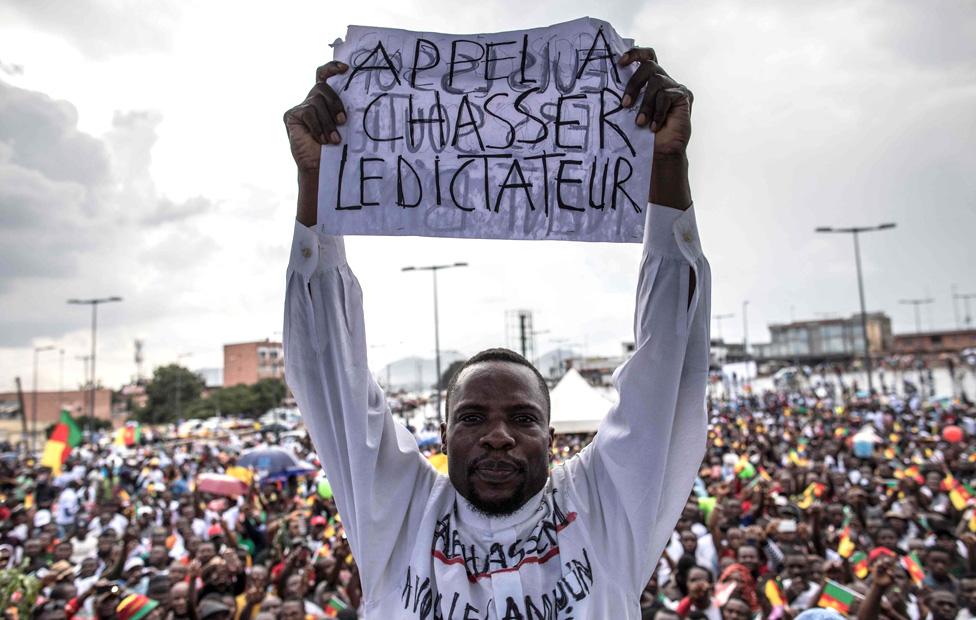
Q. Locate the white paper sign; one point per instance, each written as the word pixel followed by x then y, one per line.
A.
pixel 516 135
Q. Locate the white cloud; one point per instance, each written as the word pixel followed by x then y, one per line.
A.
pixel 806 114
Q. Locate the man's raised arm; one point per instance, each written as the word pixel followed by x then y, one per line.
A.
pixel 379 478
pixel 647 451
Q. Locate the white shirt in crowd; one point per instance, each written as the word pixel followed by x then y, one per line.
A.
pixel 584 546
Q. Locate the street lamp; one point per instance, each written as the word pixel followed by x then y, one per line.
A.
pixel 719 318
pixel 965 299
pixel 855 231
pixel 745 335
pixel 917 303
pixel 37 352
pixel 94 303
pixel 437 336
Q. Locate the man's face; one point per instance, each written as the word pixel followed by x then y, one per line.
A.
pixel 943 605
pixel 32 548
pixel 736 609
pixel 205 552
pixel 259 577
pixel 938 562
pixel 748 556
pixel 796 567
pixel 887 538
pixel 497 436
pixel 699 583
pixel 967 592
pixel 689 542
pixel 88 567
pixel 292 610
pixel 178 598
pixel 105 543
pixel 62 552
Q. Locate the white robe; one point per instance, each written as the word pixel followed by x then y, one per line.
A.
pixel 583 547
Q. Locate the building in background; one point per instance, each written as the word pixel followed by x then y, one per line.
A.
pixel 836 340
pixel 249 362
pixel 49 405
pixel 928 344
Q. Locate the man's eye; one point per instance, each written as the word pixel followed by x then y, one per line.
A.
pixel 525 419
pixel 470 418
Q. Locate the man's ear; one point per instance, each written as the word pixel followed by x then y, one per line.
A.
pixel 444 437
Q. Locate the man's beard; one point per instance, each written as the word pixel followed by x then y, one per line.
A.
pixel 499 508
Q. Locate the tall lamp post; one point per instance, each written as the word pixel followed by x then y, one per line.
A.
pixel 37 352
pixel 855 231
pixel 745 334
pixel 917 303
pixel 965 300
pixel 94 303
pixel 719 318
pixel 433 269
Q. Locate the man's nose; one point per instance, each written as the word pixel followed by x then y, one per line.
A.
pixel 498 437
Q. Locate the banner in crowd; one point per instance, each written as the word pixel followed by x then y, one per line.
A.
pixel 515 135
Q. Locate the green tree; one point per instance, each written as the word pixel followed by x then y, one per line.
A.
pixel 268 394
pixel 235 400
pixel 172 390
pixel 448 374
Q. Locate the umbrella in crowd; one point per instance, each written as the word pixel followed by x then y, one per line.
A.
pixel 221 484
pixel 269 460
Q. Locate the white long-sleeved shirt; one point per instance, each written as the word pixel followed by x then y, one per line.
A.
pixel 584 546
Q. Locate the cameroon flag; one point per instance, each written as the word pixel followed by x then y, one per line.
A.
pixel 846 546
pixel 959 493
pixel 859 561
pixel 333 607
pixel 774 593
pixel 837 597
pixel 65 436
pixel 128 435
pixel 913 567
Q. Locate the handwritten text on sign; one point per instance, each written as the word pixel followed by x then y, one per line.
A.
pixel 516 135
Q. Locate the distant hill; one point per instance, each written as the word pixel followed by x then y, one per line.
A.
pixel 414 374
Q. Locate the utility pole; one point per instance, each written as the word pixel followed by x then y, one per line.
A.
pixel 23 415
pixel 37 352
pixel 433 269
pixel 94 303
pixel 955 306
pixel 968 318
pixel 916 303
pixel 60 377
pixel 745 336
pixel 719 318
pixel 855 231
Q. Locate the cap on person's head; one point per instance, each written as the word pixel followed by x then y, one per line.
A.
pixel 877 552
pixel 895 513
pixel 62 569
pixel 318 520
pixel 144 510
pixel 215 530
pixel 820 614
pixel 131 563
pixel 211 606
pixel 135 607
pixel 786 526
pixel 42 518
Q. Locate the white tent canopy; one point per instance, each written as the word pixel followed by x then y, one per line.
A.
pixel 576 406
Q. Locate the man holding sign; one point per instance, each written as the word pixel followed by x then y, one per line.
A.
pixel 504 536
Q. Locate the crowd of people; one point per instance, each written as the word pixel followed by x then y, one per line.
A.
pixel 859 506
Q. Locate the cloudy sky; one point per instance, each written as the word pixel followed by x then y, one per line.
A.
pixel 142 154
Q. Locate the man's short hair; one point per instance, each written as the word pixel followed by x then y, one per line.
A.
pixel 497 355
